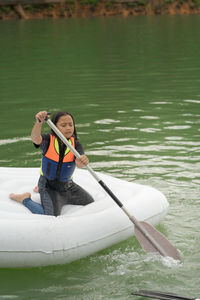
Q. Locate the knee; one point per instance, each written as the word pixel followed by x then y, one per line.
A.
pixel 89 199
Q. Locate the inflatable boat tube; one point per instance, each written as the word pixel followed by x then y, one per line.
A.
pixel 28 240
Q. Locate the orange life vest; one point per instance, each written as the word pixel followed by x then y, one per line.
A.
pixel 51 161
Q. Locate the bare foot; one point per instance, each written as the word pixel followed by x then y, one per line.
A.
pixel 20 197
pixel 35 189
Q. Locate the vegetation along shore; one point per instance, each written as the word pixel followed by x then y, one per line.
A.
pixel 41 9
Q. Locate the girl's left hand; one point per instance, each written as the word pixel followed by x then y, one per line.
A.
pixel 82 161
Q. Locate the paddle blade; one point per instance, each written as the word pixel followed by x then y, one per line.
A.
pixel 153 241
pixel 160 295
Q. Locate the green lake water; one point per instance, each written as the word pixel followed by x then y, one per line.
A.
pixel 133 86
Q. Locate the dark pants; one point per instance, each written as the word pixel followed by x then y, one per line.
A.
pixel 34 207
pixel 45 197
pixel 53 199
pixel 75 195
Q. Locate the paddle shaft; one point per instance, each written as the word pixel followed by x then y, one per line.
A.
pixel 106 188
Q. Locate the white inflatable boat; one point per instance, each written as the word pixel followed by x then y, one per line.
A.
pixel 28 239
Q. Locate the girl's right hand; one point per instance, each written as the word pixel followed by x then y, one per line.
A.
pixel 40 116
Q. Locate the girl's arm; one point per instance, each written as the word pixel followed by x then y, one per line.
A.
pixel 82 161
pixel 37 128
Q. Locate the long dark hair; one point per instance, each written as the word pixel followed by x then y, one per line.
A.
pixel 57 116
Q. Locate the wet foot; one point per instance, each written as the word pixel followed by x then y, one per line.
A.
pixel 20 197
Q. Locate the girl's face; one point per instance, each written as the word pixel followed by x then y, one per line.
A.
pixel 66 125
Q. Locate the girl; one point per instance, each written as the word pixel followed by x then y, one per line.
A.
pixel 55 185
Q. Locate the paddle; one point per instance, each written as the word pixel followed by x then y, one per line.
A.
pixel 161 295
pixel 150 239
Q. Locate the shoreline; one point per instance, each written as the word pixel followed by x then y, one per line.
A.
pixel 90 8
